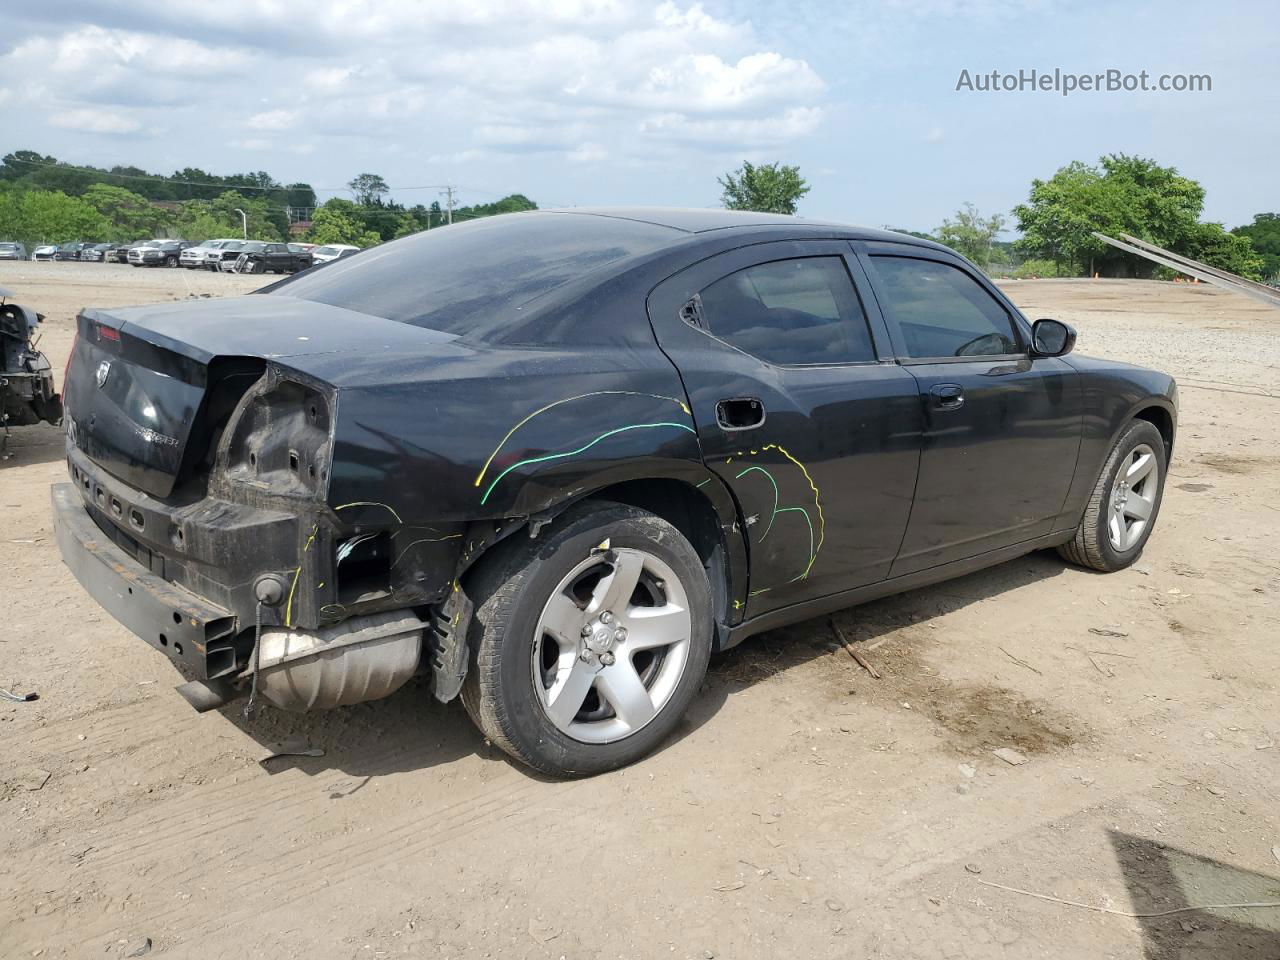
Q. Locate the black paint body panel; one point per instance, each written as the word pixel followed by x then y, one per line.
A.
pixel 290 427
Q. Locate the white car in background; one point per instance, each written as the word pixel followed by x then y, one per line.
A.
pixel 195 257
pixel 331 252
pixel 45 252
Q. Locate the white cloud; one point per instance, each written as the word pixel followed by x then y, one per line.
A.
pixel 737 132
pixel 593 82
pixel 94 121
pixel 272 120
pixel 587 153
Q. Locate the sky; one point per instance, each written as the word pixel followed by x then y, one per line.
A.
pixel 627 102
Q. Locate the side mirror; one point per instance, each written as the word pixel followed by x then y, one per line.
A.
pixel 1052 338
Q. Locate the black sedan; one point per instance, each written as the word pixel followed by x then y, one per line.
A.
pixel 555 459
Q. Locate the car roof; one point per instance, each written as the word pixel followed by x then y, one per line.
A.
pixel 694 220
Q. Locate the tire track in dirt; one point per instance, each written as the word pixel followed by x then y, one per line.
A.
pixel 329 863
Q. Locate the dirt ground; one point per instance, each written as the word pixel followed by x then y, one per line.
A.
pixel 804 809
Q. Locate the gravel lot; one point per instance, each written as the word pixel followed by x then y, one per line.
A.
pixel 804 810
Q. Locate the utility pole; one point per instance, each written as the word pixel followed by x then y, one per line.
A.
pixel 244 222
pixel 448 195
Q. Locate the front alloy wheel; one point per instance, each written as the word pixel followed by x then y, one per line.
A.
pixel 1122 510
pixel 589 642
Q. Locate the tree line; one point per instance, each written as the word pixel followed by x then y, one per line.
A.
pixel 1119 194
pixel 43 200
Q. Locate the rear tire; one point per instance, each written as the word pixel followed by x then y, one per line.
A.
pixel 1125 502
pixel 570 705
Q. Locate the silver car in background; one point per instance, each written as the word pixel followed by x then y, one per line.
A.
pixel 193 258
pixel 12 251
pixel 332 251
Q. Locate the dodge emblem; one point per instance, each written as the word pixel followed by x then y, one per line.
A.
pixel 104 370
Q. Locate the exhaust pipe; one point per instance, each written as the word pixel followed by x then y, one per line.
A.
pixel 206 695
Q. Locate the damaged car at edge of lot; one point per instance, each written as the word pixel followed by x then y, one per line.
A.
pixel 27 394
pixel 553 460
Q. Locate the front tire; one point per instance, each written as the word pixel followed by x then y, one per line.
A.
pixel 1122 510
pixel 588 643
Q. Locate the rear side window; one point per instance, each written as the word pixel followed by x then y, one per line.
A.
pixel 790 312
pixel 941 311
pixel 473 278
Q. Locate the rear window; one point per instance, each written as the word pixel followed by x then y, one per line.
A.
pixel 465 278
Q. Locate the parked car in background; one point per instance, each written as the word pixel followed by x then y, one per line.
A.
pixel 257 256
pixel 95 252
pixel 194 257
pixel 12 251
pixel 214 259
pixel 119 253
pixel 332 251
pixel 164 253
pixel 70 251
pixel 46 251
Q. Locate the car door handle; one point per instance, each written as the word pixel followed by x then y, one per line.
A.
pixel 946 396
pixel 739 413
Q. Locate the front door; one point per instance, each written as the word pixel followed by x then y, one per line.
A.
pixel 1002 428
pixel 800 411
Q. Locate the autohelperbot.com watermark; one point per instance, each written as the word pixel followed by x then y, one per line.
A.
pixel 1065 83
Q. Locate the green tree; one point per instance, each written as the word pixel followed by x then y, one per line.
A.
pixel 1121 194
pixel 338 221
pixel 130 215
pixel 1210 243
pixel 405 226
pixel 42 216
pixel 767 188
pixel 202 220
pixel 1264 234
pixel 971 234
pixel 369 188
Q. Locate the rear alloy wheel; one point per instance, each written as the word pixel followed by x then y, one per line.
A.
pixel 170 261
pixel 1122 510
pixel 588 644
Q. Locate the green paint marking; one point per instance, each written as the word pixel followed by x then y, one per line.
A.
pixel 582 449
pixel 773 515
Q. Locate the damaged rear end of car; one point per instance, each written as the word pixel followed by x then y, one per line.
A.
pixel 199 510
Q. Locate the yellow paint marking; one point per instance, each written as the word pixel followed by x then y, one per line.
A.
pixel 288 608
pixel 582 396
pixel 370 503
pixel 817 502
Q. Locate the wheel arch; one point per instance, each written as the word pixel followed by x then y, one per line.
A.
pixel 712 528
pixel 1162 419
pixel 697 503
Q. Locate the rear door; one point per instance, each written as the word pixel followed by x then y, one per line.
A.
pixel 276 257
pixel 1001 428
pixel 800 409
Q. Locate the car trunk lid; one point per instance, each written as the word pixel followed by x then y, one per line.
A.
pixel 139 379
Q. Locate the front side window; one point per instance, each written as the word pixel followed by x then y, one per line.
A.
pixel 941 311
pixel 790 312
